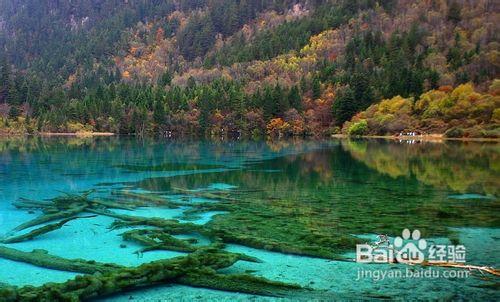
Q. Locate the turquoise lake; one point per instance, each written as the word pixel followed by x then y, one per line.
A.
pixel 298 206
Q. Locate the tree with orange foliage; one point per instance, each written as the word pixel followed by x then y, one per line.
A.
pixel 160 34
pixel 278 128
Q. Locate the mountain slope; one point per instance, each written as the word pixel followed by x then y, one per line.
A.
pixel 195 67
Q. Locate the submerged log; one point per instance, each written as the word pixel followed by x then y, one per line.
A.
pixel 242 283
pixel 217 229
pixel 481 269
pixel 111 214
pixel 40 231
pixel 24 203
pixel 41 258
pixel 51 217
pixel 194 272
pixel 197 269
pixel 157 240
pixel 203 194
pixel 151 198
pixel 170 225
pixel 112 205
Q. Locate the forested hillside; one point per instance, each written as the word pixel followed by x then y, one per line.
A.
pixel 245 67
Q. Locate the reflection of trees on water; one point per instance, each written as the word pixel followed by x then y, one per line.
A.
pixel 326 192
pixel 75 156
pixel 182 149
pixel 290 176
pixel 310 191
pixel 463 167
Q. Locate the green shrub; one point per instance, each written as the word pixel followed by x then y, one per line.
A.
pixel 493 133
pixel 359 128
pixel 14 112
pixel 334 130
pixel 454 132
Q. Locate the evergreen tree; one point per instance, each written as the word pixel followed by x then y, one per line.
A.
pixel 344 106
pixel 165 79
pixel 304 87
pixel 24 93
pixel 206 107
pixel 294 98
pixel 454 56
pixel 279 103
pixel 268 103
pixel 139 120
pixel 159 115
pixel 316 88
pixel 14 112
pixel 4 79
pixel 363 93
pixel 256 100
pixel 12 95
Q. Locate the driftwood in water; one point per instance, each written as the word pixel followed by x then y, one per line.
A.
pixel 242 283
pixel 150 198
pixel 207 195
pixel 112 205
pixel 108 213
pixel 24 203
pixel 197 269
pixel 157 240
pixel 481 269
pixel 51 217
pixel 40 231
pixel 41 258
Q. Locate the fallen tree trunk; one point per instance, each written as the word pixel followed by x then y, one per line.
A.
pixel 243 283
pixel 40 231
pixel 197 269
pixel 156 240
pixel 51 217
pixel 202 194
pixel 482 269
pixel 41 258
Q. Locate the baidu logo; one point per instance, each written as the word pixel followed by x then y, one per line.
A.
pixel 410 252
pixel 408 248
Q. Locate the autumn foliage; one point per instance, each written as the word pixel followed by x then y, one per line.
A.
pixel 459 112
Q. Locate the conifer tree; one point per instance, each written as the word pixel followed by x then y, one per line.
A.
pixel 316 88
pixel 344 106
pixel 294 98
pixel 159 115
pixel 4 80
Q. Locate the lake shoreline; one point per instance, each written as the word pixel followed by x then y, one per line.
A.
pixel 427 138
pixel 60 134
pixel 79 134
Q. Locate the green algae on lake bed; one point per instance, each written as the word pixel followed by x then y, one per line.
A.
pixel 317 215
pixel 197 269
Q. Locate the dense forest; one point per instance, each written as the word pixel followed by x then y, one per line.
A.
pixel 233 68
